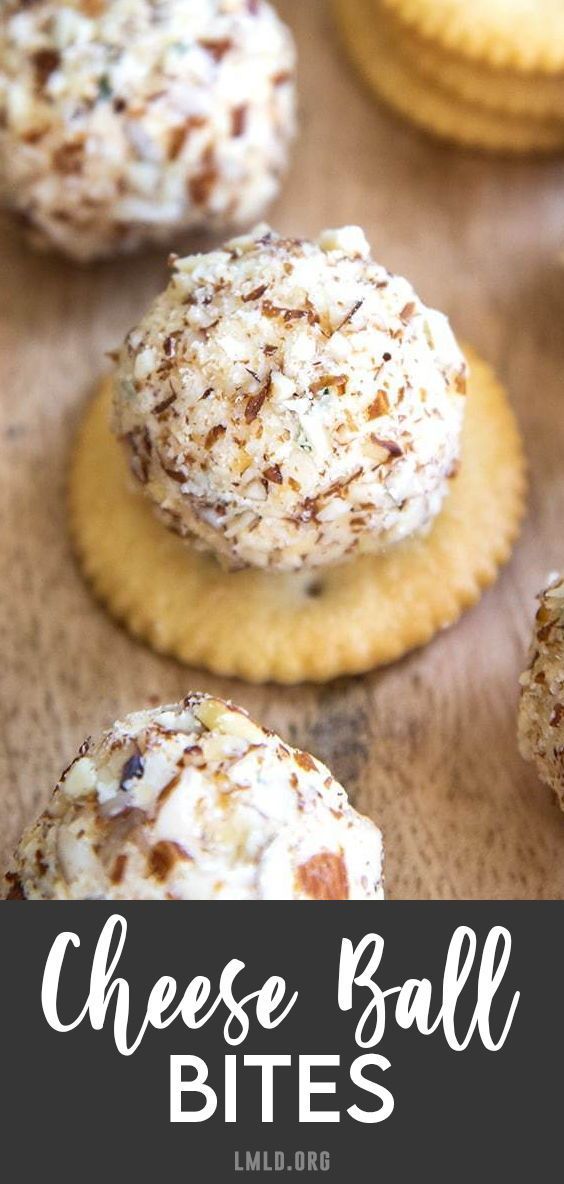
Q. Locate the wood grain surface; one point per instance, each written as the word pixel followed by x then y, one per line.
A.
pixel 427 747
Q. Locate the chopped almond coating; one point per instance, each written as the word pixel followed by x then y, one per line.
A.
pixel 288 404
pixel 541 709
pixel 129 121
pixel 197 802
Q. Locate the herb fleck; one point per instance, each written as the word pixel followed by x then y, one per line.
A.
pixel 132 770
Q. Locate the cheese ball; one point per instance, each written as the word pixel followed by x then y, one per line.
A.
pixel 196 802
pixel 541 708
pixel 287 404
pixel 124 122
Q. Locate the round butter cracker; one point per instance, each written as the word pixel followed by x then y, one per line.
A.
pixel 376 50
pixel 288 628
pixel 519 34
pixel 505 91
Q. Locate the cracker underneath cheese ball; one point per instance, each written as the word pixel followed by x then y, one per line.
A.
pixel 541 708
pixel 289 404
pixel 124 122
pixel 196 802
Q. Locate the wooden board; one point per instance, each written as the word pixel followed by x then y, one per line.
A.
pixel 428 747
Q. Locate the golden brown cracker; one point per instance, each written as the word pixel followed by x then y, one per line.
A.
pixel 376 50
pixel 505 91
pixel 314 625
pixel 525 35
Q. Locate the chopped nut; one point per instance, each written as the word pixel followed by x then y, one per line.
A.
pixel 273 474
pixel 80 779
pixel 324 877
pixel 215 716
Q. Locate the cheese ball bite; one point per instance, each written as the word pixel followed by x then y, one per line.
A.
pixel 288 404
pixel 125 122
pixel 196 802
pixel 541 709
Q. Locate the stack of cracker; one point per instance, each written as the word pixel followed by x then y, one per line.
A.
pixel 484 73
